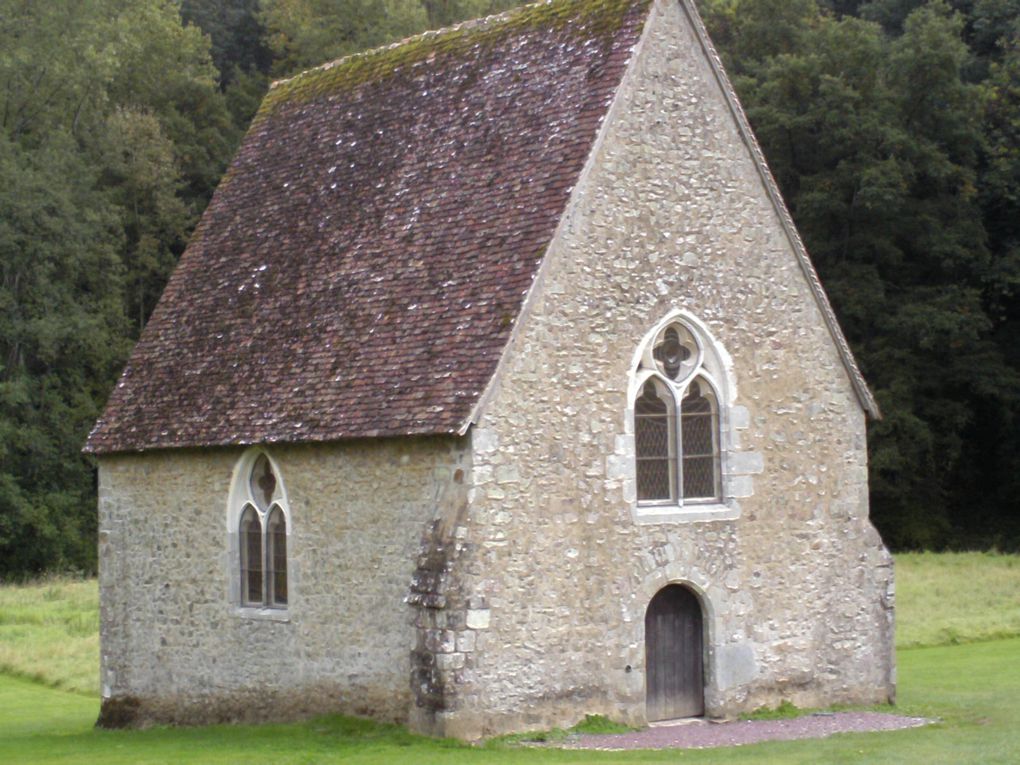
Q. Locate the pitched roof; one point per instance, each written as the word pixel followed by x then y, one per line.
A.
pixel 360 268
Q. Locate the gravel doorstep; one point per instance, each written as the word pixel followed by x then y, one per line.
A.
pixel 703 734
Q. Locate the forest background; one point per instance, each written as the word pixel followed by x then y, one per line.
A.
pixel 892 126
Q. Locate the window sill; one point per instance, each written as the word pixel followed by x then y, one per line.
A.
pixel 693 513
pixel 256 613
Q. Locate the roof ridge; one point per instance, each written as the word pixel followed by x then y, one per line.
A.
pixel 463 39
pixel 482 21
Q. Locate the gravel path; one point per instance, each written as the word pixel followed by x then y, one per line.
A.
pixel 701 734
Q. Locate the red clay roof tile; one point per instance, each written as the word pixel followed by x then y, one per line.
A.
pixel 359 270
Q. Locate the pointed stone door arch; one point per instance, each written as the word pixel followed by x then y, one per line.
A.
pixel 674 655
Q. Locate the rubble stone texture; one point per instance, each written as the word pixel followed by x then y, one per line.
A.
pixel 497 580
pixel 176 646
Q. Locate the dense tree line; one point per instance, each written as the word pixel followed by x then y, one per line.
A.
pixel 893 127
pixel 117 119
pixel 113 133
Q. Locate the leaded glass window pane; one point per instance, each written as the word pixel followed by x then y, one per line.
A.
pixel 276 557
pixel 699 428
pixel 676 421
pixel 655 439
pixel 251 557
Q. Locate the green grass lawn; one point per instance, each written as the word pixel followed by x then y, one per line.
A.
pixel 949 598
pixel 973 688
pixel 49 632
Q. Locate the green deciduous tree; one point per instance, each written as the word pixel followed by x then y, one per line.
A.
pixel 877 139
pixel 441 13
pixel 304 33
pixel 236 33
pixel 63 335
pixel 140 174
pixel 113 134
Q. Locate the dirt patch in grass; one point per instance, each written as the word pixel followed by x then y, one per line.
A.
pixel 703 734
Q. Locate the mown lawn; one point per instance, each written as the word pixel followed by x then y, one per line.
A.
pixel 973 688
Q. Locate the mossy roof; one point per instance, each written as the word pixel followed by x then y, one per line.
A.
pixel 361 266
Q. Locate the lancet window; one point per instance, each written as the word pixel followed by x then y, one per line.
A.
pixel 262 537
pixel 676 422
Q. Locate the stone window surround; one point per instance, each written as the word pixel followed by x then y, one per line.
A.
pixel 735 467
pixel 238 498
pixel 674 392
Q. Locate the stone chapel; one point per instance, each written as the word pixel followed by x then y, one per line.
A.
pixel 495 388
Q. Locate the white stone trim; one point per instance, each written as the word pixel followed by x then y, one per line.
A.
pixel 240 495
pixel 736 467
pixel 239 498
pixel 278 614
pixel 651 586
pixel 714 358
pixel 690 513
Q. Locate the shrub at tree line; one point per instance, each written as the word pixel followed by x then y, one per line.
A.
pixel 892 126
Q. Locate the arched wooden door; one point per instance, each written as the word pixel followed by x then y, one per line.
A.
pixel 674 667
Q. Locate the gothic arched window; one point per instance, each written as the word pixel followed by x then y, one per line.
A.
pixel 261 534
pixel 676 421
pixel 251 557
pixel 276 558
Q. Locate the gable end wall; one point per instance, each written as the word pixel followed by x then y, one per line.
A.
pixel 672 214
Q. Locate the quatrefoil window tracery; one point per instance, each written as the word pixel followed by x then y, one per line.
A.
pixel 677 353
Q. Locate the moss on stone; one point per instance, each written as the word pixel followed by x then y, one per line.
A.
pixel 588 20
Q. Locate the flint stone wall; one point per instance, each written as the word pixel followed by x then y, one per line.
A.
pixel 175 646
pixel 543 621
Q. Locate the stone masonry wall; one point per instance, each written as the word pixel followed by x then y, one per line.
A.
pixel 544 620
pixel 175 645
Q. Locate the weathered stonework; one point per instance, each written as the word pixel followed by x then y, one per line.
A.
pixel 176 646
pixel 796 590
pixel 498 580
